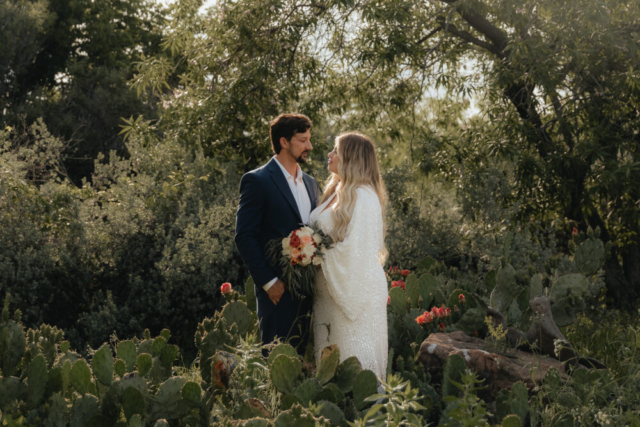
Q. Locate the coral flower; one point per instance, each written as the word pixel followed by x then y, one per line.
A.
pixel 441 327
pixel 398 284
pixel 574 233
pixel 225 288
pixel 405 272
pixel 461 299
pixel 388 299
pixel 424 318
pixel 295 240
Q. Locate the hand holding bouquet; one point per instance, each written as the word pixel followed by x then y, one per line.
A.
pixel 298 255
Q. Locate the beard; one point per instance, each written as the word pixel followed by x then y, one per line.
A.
pixel 299 158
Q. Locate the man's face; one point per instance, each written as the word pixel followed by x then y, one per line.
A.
pixel 299 146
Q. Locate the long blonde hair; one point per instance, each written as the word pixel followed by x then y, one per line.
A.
pixel 358 165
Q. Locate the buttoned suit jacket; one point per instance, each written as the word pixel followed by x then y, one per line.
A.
pixel 267 210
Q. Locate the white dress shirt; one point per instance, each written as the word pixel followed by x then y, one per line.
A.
pixel 301 196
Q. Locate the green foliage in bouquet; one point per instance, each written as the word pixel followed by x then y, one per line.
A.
pixel 299 255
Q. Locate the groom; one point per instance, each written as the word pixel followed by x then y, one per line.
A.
pixel 276 199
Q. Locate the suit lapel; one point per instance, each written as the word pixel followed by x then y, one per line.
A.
pixel 281 182
pixel 311 190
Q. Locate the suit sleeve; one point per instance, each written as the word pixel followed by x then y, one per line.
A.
pixel 248 220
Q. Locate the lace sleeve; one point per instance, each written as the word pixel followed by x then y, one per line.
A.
pixel 351 267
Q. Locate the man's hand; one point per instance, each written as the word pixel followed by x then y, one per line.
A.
pixel 275 292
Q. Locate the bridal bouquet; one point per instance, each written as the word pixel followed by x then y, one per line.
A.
pixel 298 255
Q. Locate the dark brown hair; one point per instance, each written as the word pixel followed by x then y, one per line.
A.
pixel 287 125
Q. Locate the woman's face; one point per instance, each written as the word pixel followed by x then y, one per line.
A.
pixel 333 160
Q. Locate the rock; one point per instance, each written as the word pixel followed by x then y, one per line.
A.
pixel 499 371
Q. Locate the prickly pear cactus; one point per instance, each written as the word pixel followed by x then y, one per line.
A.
pixel 11 389
pixel 428 289
pixel 346 374
pixel 285 372
pixel 80 377
pixel 331 412
pixel 365 385
pixel 250 293
pixel 238 313
pixel 589 256
pixel 120 367
pixel 506 289
pixel 511 421
pixel 281 349
pixel 398 301
pixel 144 362
pixel 471 321
pixel 308 391
pixel 453 370
pixel 12 347
pixel 328 364
pixel 192 394
pixel 567 296
pixel 37 381
pixel 412 289
pixel 127 352
pixel 133 402
pixel 212 335
pixel 515 402
pixel 298 416
pixel 102 364
pixel 83 409
pixel 535 286
pixel 168 403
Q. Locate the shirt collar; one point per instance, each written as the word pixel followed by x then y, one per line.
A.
pixel 286 173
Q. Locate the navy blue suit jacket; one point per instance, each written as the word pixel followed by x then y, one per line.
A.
pixel 267 211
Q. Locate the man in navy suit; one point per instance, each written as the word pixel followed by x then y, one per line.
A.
pixel 276 199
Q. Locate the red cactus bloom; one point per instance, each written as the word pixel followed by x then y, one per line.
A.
pixel 476 333
pixel 424 318
pixel 405 272
pixel 388 299
pixel 398 284
pixel 461 299
pixel 441 327
pixel 574 233
pixel 225 288
pixel 434 312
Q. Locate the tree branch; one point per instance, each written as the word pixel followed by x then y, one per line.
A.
pixel 468 37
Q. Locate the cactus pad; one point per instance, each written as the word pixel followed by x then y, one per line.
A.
pixel 506 289
pixel 285 372
pixel 120 367
pixel 11 389
pixel 250 293
pixel 589 256
pixel 80 377
pixel 126 351
pixel 133 402
pixel 281 349
pixel 412 289
pixel 37 380
pixel 192 394
pixel 144 362
pixel 398 301
pixel 308 391
pixel 328 364
pixel 331 412
pixel 83 409
pixel 365 385
pixel 102 364
pixel 238 313
pixel 511 421
pixel 13 346
pixel 346 374
pixel 453 369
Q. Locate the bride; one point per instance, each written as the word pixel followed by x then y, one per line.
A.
pixel 350 303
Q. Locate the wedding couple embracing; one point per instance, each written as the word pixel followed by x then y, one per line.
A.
pixel 350 299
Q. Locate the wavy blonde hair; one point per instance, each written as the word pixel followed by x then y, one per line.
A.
pixel 358 166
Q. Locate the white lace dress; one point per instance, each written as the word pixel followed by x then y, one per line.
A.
pixel 350 304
